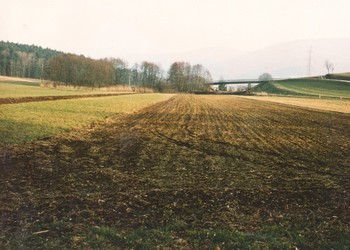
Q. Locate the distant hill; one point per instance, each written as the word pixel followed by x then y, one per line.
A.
pixel 339 76
pixel 21 60
pixel 281 60
pixel 307 87
pixel 288 59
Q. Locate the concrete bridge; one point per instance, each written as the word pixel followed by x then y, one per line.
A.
pixel 245 81
pixel 238 81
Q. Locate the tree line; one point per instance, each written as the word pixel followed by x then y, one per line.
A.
pixel 77 70
pixel 21 60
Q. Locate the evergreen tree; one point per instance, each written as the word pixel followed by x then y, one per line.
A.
pixel 23 60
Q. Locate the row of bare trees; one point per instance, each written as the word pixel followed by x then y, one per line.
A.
pixel 186 78
pixel 71 69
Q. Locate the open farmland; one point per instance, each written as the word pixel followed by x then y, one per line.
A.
pixel 190 172
pixel 17 88
pixel 336 105
pixel 339 76
pixel 307 87
pixel 25 122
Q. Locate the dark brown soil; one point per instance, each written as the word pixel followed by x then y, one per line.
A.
pixel 208 162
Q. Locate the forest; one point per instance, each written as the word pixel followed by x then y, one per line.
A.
pixel 30 61
pixel 25 61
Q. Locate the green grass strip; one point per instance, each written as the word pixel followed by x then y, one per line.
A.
pixel 25 122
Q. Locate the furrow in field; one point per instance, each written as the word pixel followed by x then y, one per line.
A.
pixel 242 129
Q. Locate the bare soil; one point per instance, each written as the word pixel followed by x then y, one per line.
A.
pixel 207 162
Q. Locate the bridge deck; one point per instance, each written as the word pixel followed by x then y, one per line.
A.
pixel 238 81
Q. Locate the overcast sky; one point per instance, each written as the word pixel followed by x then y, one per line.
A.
pixel 104 28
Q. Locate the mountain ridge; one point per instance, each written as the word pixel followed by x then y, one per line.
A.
pixel 287 59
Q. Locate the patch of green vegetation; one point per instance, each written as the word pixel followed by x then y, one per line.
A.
pixel 339 76
pixel 142 238
pixel 26 122
pixel 307 87
pixel 23 89
pixel 270 237
pixel 271 88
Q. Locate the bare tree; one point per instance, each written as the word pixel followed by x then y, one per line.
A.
pixel 121 69
pixel 329 66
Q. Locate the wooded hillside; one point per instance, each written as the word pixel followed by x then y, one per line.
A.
pixel 30 61
pixel 21 60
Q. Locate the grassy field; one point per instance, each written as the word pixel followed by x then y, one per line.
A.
pixel 308 87
pixel 16 88
pixel 26 122
pixel 193 172
pixel 337 105
pixel 346 74
pixel 340 76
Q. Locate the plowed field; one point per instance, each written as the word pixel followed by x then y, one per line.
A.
pixel 191 172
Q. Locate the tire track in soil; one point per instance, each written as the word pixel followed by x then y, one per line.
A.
pixel 207 161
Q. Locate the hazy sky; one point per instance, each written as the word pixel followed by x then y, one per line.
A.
pixel 115 28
